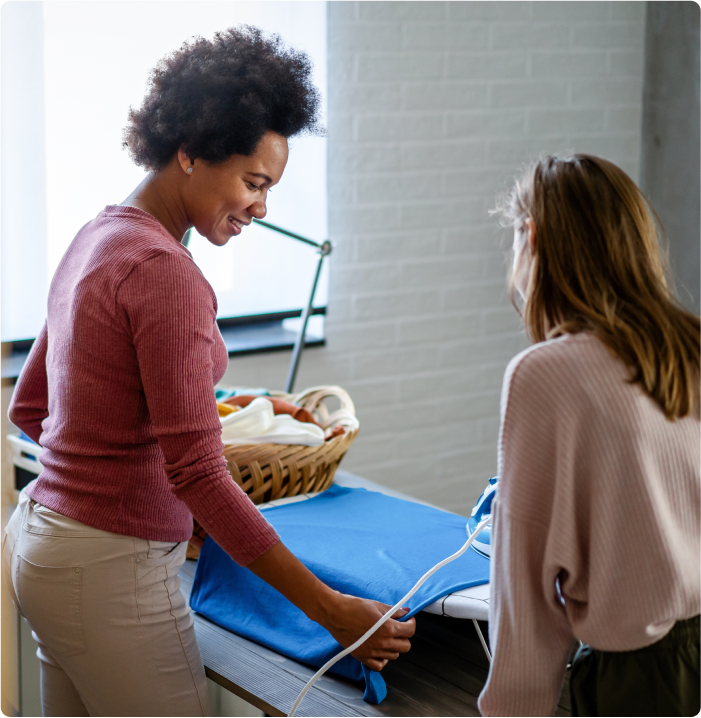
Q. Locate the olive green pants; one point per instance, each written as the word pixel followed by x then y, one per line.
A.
pixel 658 680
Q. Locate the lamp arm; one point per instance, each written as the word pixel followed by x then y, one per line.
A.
pixel 324 249
pixel 287 233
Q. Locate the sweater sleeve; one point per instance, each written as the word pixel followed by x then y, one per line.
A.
pixel 171 312
pixel 529 631
pixel 30 401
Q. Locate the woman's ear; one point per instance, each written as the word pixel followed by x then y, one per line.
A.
pixel 185 162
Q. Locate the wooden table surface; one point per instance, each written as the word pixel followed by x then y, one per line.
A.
pixel 442 675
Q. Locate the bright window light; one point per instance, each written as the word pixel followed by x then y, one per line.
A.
pixel 70 72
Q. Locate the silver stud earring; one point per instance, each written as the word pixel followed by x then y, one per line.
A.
pixel 189 170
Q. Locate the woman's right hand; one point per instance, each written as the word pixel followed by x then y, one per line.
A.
pixel 348 618
pixel 345 617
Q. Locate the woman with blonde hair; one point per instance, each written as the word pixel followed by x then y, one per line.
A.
pixel 596 521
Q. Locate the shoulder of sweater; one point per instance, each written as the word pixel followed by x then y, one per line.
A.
pixel 562 362
pixel 120 239
pixel 168 269
pixel 142 246
pixel 135 234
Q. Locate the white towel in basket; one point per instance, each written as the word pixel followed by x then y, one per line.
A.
pixel 258 424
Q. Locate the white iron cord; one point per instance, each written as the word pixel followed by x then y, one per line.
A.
pixel 388 615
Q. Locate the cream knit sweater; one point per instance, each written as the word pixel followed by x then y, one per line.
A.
pixel 596 487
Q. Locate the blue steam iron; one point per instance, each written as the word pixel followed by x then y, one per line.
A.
pixel 483 542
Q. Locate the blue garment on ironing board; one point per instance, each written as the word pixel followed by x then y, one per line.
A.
pixel 358 542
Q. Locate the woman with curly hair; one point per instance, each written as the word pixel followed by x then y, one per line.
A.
pixel 118 390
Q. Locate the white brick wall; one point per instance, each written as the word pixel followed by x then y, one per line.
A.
pixel 432 107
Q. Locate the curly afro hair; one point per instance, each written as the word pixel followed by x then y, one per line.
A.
pixel 218 97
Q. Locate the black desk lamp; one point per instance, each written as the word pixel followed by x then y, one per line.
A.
pixel 323 250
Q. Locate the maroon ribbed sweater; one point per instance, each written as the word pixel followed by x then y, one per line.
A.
pixel 118 390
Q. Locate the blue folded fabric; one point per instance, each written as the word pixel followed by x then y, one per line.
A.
pixel 358 542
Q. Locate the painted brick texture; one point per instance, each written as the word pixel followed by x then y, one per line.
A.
pixel 433 106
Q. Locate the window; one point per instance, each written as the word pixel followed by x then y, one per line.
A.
pixel 70 71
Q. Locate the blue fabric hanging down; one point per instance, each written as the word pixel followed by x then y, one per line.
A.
pixel 358 542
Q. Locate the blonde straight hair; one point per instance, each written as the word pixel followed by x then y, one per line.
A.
pixel 597 267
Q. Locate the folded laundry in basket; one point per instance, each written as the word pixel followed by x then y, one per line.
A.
pixel 359 542
pixel 258 424
pixel 280 406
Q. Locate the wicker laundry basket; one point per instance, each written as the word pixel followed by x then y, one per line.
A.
pixel 272 471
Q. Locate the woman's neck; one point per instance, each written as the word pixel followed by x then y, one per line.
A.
pixel 159 195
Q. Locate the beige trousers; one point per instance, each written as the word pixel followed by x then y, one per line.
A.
pixel 115 634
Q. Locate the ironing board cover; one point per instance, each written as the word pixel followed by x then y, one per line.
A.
pixel 358 542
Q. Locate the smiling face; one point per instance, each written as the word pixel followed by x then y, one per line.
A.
pixel 220 199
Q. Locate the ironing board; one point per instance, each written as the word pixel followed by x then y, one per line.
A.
pixel 469 603
pixel 442 675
